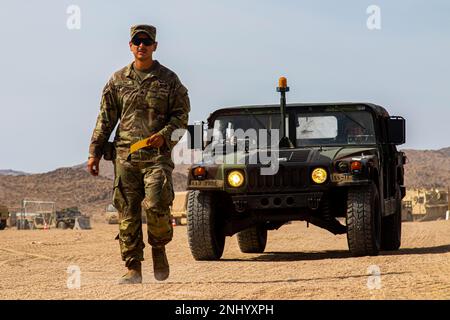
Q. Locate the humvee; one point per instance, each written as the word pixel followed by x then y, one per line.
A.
pixel 69 218
pixel 334 161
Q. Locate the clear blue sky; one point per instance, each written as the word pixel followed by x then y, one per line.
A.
pixel 227 53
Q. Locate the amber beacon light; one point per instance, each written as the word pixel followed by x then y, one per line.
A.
pixel 282 82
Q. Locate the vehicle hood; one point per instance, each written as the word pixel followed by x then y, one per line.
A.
pixel 300 155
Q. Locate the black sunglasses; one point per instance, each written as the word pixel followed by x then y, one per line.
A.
pixel 145 41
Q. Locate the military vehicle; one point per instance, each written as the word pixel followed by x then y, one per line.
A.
pixel 4 215
pixel 436 204
pixel 426 204
pixel 327 161
pixel 72 218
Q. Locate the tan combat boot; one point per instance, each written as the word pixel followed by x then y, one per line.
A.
pixel 160 263
pixel 134 274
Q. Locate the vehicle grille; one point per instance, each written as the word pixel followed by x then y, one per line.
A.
pixel 287 178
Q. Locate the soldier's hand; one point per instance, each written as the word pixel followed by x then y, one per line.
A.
pixel 93 166
pixel 156 140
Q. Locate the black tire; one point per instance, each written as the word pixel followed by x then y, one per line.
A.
pixel 2 224
pixel 61 225
pixel 205 232
pixel 252 240
pixel 391 228
pixel 363 221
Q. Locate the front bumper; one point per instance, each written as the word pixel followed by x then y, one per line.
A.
pixel 309 200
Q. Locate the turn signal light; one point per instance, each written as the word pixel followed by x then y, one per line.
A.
pixel 199 172
pixel 356 166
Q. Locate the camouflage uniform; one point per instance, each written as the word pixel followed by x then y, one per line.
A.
pixel 157 104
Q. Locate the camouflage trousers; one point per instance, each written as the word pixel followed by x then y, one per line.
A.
pixel 142 188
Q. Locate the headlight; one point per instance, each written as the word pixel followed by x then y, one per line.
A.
pixel 235 178
pixel 319 175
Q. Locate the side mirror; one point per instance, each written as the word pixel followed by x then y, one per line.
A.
pixel 195 136
pixel 396 129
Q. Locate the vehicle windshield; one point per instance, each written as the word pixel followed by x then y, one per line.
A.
pixel 312 129
pixel 229 129
pixel 334 128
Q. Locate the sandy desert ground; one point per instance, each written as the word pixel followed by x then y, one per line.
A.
pixel 299 263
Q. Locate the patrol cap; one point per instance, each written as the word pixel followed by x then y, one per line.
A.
pixel 145 28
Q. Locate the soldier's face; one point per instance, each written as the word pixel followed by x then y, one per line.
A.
pixel 141 48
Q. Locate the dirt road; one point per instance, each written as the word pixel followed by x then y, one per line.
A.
pixel 299 263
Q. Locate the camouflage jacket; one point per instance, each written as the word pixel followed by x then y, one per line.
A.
pixel 159 103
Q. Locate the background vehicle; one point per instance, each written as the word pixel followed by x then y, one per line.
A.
pixel 426 204
pixel 72 218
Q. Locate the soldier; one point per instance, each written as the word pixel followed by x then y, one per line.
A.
pixel 150 102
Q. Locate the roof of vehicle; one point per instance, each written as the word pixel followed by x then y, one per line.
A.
pixel 378 110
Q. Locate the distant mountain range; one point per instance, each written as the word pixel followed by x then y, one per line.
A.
pixel 9 172
pixel 74 186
